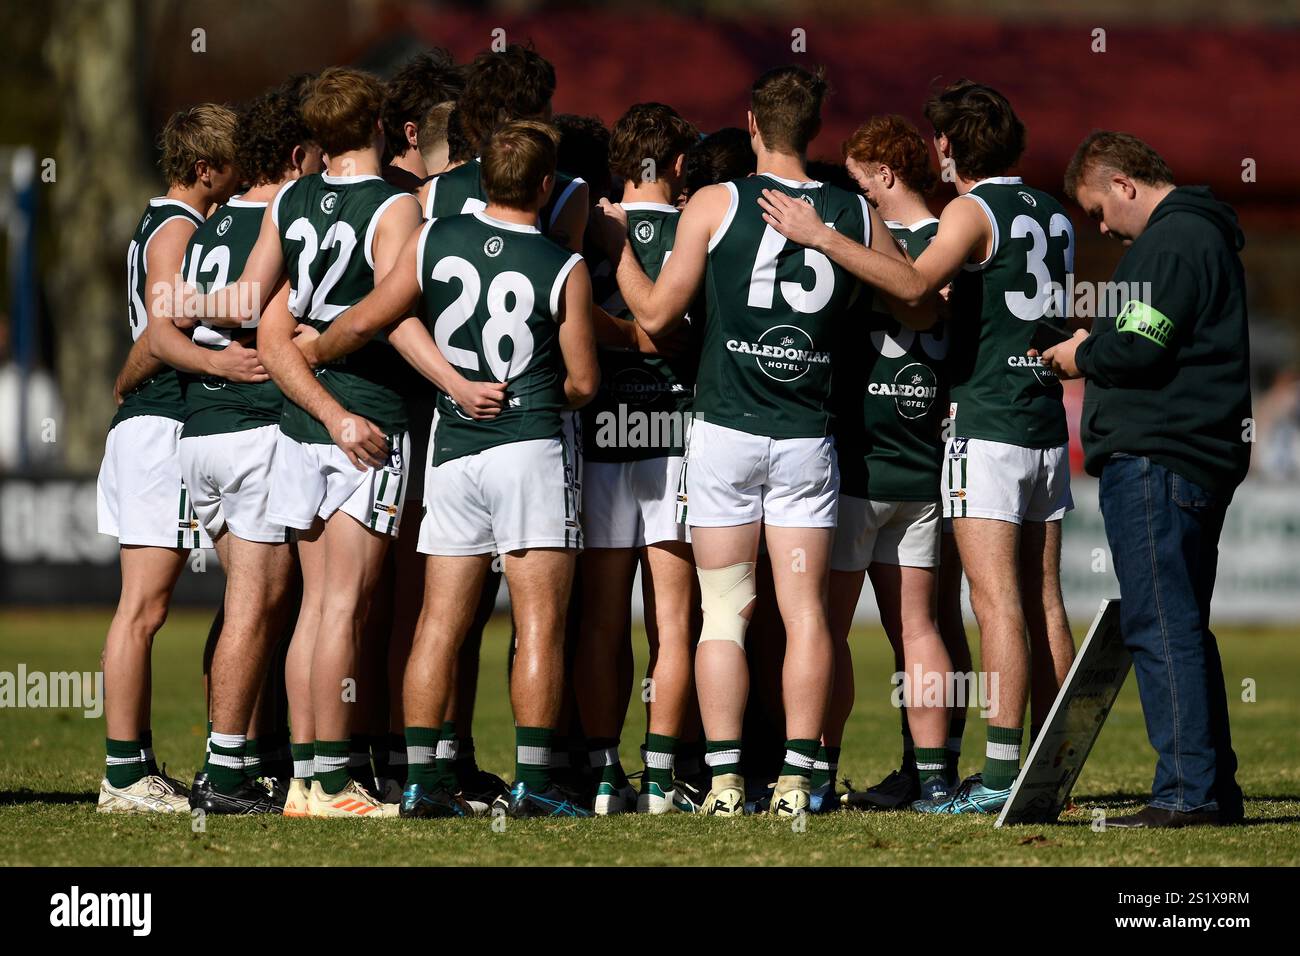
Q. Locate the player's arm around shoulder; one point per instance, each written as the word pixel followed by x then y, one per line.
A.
pixel 390 300
pixel 577 336
pixel 364 444
pixel 921 314
pixel 398 225
pixel 659 305
pixel 571 220
pixel 964 235
pixel 240 303
pixel 879 263
pixel 167 343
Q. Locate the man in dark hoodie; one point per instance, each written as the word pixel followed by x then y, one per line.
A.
pixel 1166 426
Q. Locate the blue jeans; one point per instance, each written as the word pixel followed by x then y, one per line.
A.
pixel 1164 539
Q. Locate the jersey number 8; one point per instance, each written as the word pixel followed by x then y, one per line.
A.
pixel 504 322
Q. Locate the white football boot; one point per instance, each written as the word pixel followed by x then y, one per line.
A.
pixel 727 796
pixel 147 795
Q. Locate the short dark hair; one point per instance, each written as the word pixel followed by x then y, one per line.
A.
pixel 270 128
pixel 1117 152
pixel 721 156
pixel 652 131
pixel 342 109
pixel 893 141
pixel 986 136
pixel 424 81
pixel 516 83
pixel 516 160
pixel 787 107
pixel 459 148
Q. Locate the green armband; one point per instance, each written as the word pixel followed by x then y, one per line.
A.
pixel 1142 319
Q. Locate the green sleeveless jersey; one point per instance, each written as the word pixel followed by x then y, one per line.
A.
pixel 773 306
pixel 460 190
pixel 998 392
pixel 327 227
pixel 890 396
pixel 489 295
pixel 643 407
pixel 161 393
pixel 216 256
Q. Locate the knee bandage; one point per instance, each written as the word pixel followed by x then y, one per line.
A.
pixel 724 594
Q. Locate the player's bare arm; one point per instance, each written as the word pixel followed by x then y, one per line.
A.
pixel 169 344
pixel 577 339
pixel 389 307
pixel 398 226
pixel 571 222
pixel 238 303
pixel 660 305
pixel 139 366
pixel 962 237
pixel 479 400
pixel 364 444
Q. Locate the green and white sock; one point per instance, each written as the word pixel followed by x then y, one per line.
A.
pixel 929 762
pixel 146 753
pixel 956 729
pixel 304 760
pixel 123 763
pixel 422 756
pixel 533 757
pixel 825 766
pixel 658 758
pixel 252 759
pixel 448 753
pixel 225 763
pixel 331 764
pixel 603 757
pixel 1002 756
pixel 909 747
pixel 722 756
pixel 799 758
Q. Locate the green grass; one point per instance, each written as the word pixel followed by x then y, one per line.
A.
pixel 51 762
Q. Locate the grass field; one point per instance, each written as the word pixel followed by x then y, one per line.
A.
pixel 51 762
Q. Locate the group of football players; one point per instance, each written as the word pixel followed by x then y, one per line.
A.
pixel 581 353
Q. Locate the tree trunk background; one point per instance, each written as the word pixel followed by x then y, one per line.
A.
pixel 101 158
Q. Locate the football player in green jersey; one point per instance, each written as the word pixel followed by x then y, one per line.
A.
pixel 515 83
pixel 500 86
pixel 761 460
pixel 142 499
pixel 888 434
pixel 337 476
pixel 507 306
pixel 1008 249
pixel 226 448
pixel 426 83
pixel 634 439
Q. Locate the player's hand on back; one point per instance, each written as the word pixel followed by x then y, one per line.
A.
pixel 479 400
pixel 238 363
pixel 792 218
pixel 363 443
pixel 609 226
